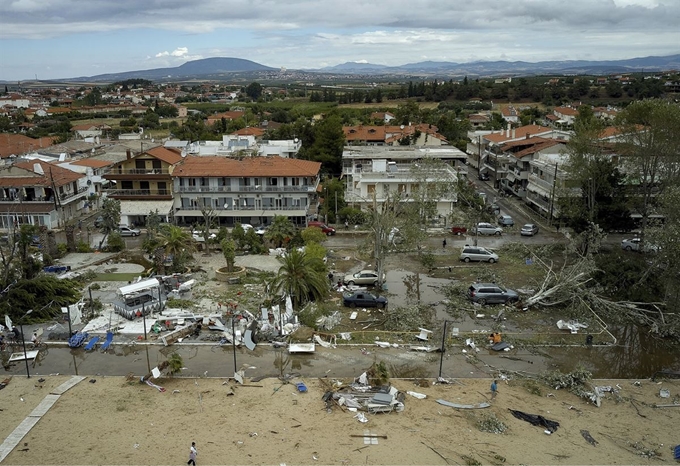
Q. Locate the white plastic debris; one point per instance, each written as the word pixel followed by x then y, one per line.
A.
pixel 361 417
pixel 420 396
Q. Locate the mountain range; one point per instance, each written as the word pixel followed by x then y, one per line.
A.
pixel 220 68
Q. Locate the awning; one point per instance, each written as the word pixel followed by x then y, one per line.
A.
pixel 144 207
pixel 139 286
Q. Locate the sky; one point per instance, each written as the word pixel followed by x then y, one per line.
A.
pixel 51 39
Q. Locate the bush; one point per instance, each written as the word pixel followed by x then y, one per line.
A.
pixel 115 242
pixel 82 246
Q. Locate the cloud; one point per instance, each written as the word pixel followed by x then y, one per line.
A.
pixel 295 34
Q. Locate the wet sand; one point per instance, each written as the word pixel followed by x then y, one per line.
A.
pixel 114 421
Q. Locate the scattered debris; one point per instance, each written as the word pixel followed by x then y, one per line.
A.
pixel 536 419
pixel 481 405
pixel 490 423
pixel 664 393
pixel 420 396
pixel 571 325
pixel 586 435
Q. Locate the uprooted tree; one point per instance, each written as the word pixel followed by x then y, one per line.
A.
pixel 575 285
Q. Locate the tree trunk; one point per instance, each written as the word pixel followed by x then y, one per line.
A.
pixel 159 261
pixel 70 238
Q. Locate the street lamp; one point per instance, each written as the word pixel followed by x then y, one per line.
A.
pixel 23 340
pixel 443 348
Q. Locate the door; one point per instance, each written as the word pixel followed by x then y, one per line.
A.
pixel 144 187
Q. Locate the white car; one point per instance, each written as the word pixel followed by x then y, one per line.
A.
pixel 246 227
pixel 634 245
pixel 261 230
pixel 198 236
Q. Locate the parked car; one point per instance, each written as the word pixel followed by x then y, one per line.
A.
pixel 458 230
pixel 99 221
pixel 261 230
pixel 365 277
pixel 529 229
pixel 491 293
pixel 329 231
pixel 634 245
pixel 487 229
pixel 363 299
pixel 476 253
pixel 198 236
pixel 506 221
pixel 483 176
pixel 127 231
pixel 495 209
pixel 246 227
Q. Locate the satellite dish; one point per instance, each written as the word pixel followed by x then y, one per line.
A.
pixel 402 126
pixel 295 140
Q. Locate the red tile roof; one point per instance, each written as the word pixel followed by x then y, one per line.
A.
pixel 538 147
pixel 166 155
pixel 520 132
pixel 17 144
pixel 211 166
pixel 61 176
pixel 249 131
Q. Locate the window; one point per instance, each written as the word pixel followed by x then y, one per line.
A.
pixel 126 184
pixel 273 181
pixel 140 164
pixel 370 189
pixel 295 181
pixel 162 187
pixel 192 181
pixel 401 188
pixel 156 164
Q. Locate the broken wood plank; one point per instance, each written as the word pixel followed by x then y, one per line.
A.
pixel 368 436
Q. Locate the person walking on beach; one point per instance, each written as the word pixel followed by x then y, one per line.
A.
pixel 494 389
pixel 444 243
pixel 192 454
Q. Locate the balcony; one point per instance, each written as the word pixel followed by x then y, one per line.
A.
pixel 541 183
pixel 70 196
pixel 139 193
pixel 246 189
pixel 538 200
pixel 246 208
pixel 136 171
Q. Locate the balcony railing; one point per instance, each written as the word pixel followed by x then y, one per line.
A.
pixel 248 208
pixel 67 196
pixel 538 200
pixel 62 197
pixel 546 185
pixel 136 171
pixel 249 189
pixel 138 192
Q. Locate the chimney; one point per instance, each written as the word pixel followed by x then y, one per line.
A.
pixel 507 131
pixel 129 154
pixel 513 133
pixel 526 136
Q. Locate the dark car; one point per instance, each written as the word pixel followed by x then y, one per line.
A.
pixel 363 299
pixel 457 230
pixel 99 222
pixel 491 293
pixel 483 176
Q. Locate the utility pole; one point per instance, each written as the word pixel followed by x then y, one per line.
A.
pixel 552 197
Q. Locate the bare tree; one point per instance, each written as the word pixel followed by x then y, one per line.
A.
pixel 209 217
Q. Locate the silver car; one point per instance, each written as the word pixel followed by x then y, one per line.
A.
pixel 365 277
pixel 127 231
pixel 491 293
pixel 530 229
pixel 484 228
pixel 476 253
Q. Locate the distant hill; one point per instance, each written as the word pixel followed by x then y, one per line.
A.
pixel 224 67
pixel 191 69
pixel 495 68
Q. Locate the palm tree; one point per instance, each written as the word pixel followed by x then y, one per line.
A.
pixel 302 277
pixel 280 231
pixel 176 243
